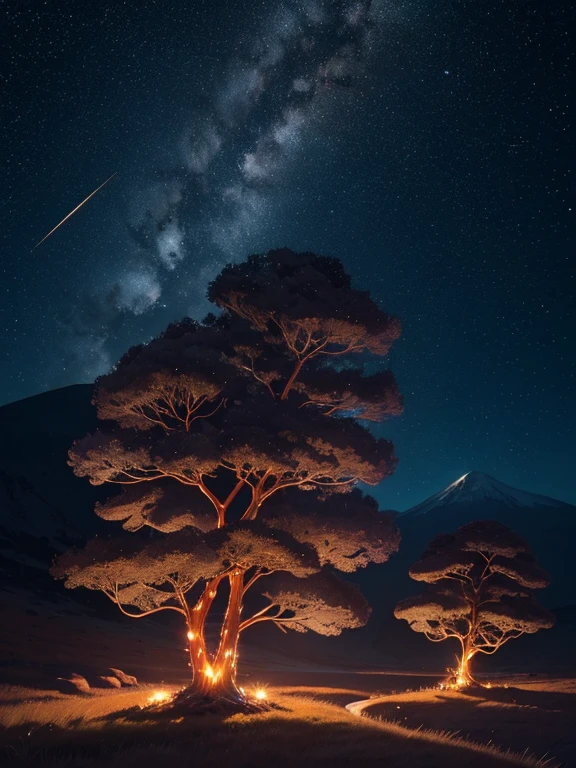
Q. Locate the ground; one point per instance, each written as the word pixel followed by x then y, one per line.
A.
pixel 41 725
pixel 311 727
pixel 522 713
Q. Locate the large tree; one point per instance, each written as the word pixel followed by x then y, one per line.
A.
pixel 481 592
pixel 214 429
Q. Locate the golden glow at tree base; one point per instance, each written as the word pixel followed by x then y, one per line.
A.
pixel 159 697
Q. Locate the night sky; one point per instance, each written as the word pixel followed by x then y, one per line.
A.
pixel 426 143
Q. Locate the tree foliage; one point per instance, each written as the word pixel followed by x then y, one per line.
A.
pixel 322 603
pixel 348 532
pixel 213 430
pixel 481 582
pixel 305 304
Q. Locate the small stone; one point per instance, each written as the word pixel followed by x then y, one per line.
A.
pixel 127 680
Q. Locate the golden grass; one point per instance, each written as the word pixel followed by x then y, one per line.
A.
pixel 535 716
pixel 51 729
pixel 20 707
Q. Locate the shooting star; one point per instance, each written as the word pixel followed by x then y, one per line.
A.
pixel 74 211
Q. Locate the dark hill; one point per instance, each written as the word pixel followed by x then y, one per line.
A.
pixel 43 506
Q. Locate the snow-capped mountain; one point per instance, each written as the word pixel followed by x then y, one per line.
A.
pixel 476 487
pixel 547 524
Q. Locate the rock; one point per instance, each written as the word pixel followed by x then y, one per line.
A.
pixel 108 681
pixel 73 684
pixel 127 680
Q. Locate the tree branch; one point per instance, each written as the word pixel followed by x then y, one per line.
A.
pixel 259 573
pixel 259 616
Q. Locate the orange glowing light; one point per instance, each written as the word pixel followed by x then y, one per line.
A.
pixel 211 673
pixel 260 694
pixel 190 635
pixel 158 697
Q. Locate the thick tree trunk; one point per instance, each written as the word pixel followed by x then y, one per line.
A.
pixel 213 686
pixel 214 676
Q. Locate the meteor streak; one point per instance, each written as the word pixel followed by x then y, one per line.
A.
pixel 74 211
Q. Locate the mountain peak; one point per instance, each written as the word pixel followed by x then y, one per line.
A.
pixel 475 476
pixel 475 482
pixel 478 487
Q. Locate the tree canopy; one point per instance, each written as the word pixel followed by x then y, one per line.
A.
pixel 305 304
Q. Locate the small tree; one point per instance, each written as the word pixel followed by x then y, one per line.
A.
pixel 482 580
pixel 214 429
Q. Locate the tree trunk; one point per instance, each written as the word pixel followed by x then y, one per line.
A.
pixel 463 674
pixel 214 676
pixel 199 655
pixel 196 649
pixel 226 659
pixel 213 686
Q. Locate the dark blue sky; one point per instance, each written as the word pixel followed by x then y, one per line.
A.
pixel 426 144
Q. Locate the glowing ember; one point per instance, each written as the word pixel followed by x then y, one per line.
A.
pixel 260 694
pixel 158 697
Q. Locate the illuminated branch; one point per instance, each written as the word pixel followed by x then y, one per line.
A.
pixel 260 616
pixel 116 600
pixel 258 575
pixel 233 493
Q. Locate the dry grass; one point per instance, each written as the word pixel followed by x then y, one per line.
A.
pixel 523 715
pixel 51 729
pixel 28 708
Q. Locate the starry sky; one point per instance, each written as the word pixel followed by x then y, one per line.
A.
pixel 426 143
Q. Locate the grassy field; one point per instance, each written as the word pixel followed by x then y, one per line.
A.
pixel 538 715
pixel 108 728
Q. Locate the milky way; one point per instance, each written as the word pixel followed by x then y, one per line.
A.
pixel 287 78
pixel 220 194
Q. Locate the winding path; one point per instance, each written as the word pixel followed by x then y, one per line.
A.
pixel 358 707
